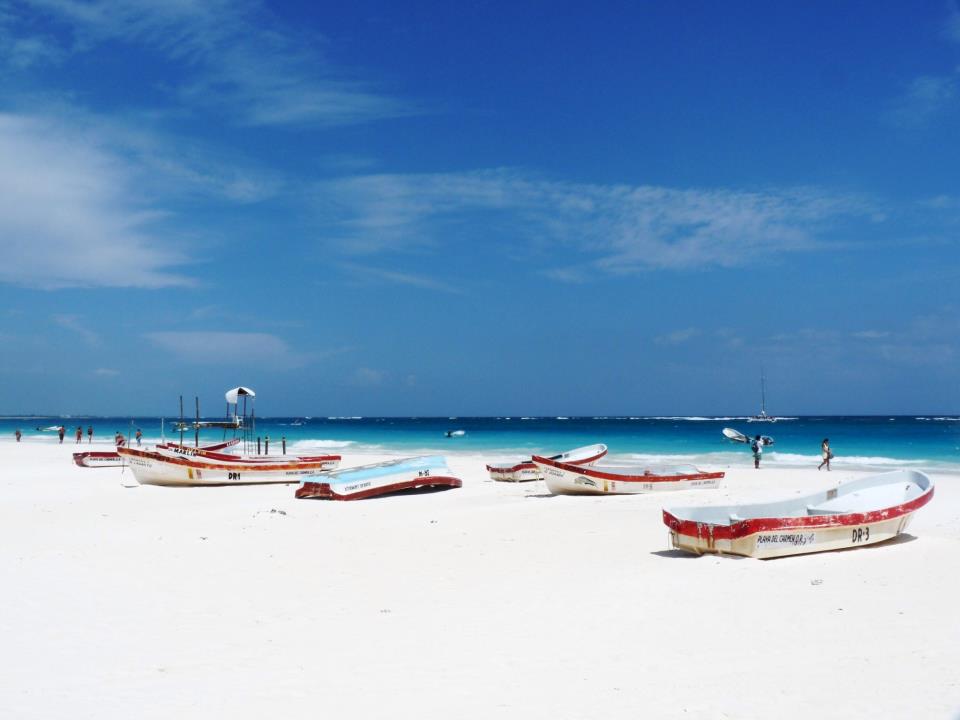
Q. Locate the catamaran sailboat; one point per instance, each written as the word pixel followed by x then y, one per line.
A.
pixel 763 417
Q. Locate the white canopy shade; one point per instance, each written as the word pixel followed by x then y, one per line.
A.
pixel 232 394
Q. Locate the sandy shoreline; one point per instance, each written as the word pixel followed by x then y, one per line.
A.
pixel 495 600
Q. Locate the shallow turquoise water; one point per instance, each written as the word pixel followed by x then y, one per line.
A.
pixel 870 441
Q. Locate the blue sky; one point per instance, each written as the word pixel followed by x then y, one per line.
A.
pixel 480 208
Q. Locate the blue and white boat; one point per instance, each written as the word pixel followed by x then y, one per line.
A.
pixel 383 478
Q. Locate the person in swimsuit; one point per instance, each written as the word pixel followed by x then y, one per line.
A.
pixel 826 453
pixel 757 447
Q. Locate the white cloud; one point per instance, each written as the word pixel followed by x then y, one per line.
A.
pixel 106 372
pixel 620 228
pixel 68 217
pixel 228 348
pixel 237 57
pixel 871 334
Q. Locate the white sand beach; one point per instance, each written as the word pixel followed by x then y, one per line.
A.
pixel 491 601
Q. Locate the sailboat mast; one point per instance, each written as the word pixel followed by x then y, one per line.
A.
pixel 763 393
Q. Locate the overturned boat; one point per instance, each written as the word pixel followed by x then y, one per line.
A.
pixel 111 458
pixel 526 470
pixel 167 466
pixel 862 512
pixel 568 479
pixel 383 478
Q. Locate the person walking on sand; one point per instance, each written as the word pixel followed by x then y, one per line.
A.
pixel 827 454
pixel 757 447
pixel 79 434
pixel 89 433
pixel 18 434
pixel 60 431
pixel 139 437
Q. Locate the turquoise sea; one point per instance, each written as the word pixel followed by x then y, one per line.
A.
pixel 931 442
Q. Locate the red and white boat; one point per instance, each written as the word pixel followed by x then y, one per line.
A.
pixel 568 479
pixel 382 478
pixel 166 466
pixel 526 470
pixel 863 512
pixel 108 458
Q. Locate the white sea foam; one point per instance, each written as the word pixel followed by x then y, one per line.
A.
pixel 301 446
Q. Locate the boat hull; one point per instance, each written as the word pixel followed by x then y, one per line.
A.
pixel 567 479
pixel 527 470
pixel 866 511
pixel 385 478
pixel 106 458
pixel 97 459
pixel 783 541
pixel 158 468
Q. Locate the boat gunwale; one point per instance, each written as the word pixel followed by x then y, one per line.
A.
pixel 529 464
pixel 618 477
pixel 190 461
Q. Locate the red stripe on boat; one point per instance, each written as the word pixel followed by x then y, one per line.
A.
pixel 594 473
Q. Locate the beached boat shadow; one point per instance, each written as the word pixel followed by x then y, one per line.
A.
pixel 683 554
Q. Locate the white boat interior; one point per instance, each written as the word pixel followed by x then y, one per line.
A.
pixel 867 494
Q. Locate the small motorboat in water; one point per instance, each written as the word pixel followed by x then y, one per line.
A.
pixel 862 512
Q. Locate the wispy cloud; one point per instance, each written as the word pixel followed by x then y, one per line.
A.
pixel 67 216
pixel 367 272
pixel 621 229
pixel 677 337
pixel 871 334
pixel 228 348
pixel 235 56
pixel 952 26
pixel 926 97
pixel 74 324
pixel 106 372
pixel 367 377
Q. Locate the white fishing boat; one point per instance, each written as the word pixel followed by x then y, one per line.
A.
pixel 165 466
pixel 108 458
pixel 383 478
pixel 863 512
pixel 568 479
pixel 526 470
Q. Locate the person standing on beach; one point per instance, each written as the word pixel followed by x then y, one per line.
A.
pixel 757 447
pixel 827 454
pixel 18 434
pixel 79 434
pixel 89 433
pixel 139 437
pixel 60 431
pixel 119 439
